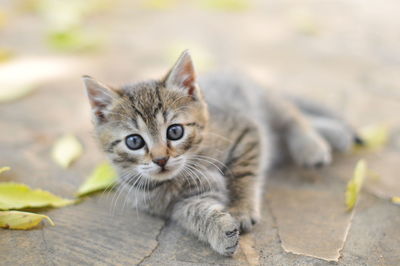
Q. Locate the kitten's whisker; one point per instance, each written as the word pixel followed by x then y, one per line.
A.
pixel 195 170
pixel 210 162
pixel 187 178
pixel 137 176
pixel 118 194
pixel 112 185
pixel 120 182
pixel 197 180
pixel 220 136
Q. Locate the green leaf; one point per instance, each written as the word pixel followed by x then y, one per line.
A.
pixel 355 184
pixel 102 177
pixel 21 220
pixel 20 196
pixel 66 150
pixel 374 136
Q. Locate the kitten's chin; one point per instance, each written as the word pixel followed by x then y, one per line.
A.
pixel 165 174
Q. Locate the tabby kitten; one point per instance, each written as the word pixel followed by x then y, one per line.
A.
pixel 200 156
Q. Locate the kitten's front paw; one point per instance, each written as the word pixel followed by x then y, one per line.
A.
pixel 246 218
pixel 224 235
pixel 310 150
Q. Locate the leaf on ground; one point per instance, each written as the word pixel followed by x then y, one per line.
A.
pixel 374 136
pixel 21 220
pixel 102 177
pixel 66 150
pixel 355 184
pixel 4 169
pixel 225 5
pixel 396 200
pixel 20 196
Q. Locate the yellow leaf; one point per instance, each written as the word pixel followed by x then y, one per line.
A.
pixel 20 196
pixel 374 136
pixel 21 220
pixel 355 184
pixel 102 177
pixel 66 150
pixel 396 200
pixel 4 169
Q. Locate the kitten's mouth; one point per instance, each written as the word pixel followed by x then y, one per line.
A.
pixel 164 170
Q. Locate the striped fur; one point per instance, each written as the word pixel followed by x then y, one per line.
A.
pixel 215 174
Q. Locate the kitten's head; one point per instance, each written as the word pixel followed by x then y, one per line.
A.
pixel 150 128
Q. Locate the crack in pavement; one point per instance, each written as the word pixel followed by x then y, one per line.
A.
pixel 46 247
pixel 156 247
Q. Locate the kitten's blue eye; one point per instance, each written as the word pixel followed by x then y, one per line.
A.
pixel 175 132
pixel 134 142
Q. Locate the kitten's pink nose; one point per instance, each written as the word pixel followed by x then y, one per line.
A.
pixel 162 161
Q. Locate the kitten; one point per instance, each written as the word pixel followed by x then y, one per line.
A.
pixel 197 151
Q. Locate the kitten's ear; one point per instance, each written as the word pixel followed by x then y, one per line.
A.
pixel 182 74
pixel 100 96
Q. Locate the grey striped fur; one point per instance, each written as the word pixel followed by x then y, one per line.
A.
pixel 234 131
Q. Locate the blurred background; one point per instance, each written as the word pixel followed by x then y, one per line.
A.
pixel 342 53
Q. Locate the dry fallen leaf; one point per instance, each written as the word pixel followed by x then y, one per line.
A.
pixel 4 169
pixel 355 184
pixel 102 177
pixel 21 220
pixel 66 150
pixel 20 196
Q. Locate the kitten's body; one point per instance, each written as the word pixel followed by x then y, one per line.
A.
pixel 217 170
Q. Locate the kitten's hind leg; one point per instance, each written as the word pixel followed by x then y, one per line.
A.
pixel 306 146
pixel 339 136
pixel 336 130
pixel 204 215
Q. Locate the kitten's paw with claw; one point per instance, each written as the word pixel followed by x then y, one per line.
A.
pixel 224 236
pixel 246 219
pixel 310 150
